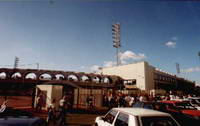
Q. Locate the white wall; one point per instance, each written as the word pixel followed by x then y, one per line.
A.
pixel 141 71
pixel 149 77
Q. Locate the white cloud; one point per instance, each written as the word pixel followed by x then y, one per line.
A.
pixel 190 70
pixel 124 57
pixel 95 68
pixel 109 63
pixel 170 44
pixel 127 55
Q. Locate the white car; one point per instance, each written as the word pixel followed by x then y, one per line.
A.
pixel 135 117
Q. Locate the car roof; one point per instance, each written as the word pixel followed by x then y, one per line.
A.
pixel 141 112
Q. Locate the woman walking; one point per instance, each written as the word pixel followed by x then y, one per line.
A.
pixel 51 119
pixel 61 112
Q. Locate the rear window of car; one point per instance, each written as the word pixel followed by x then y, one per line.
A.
pixel 122 120
pixel 158 121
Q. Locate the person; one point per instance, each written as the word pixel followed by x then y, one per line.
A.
pixel 51 113
pixel 3 106
pixel 61 113
pixel 110 97
pixel 90 101
pixel 142 98
pixel 87 101
pixel 131 101
pixel 62 101
pixel 39 101
pixel 122 101
pixel 105 101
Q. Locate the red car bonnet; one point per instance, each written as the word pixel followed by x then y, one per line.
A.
pixel 191 112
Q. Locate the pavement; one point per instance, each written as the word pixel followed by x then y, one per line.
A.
pixel 80 119
pixel 75 117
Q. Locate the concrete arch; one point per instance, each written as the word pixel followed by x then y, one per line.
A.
pixel 31 76
pixel 96 79
pixel 45 76
pixel 60 77
pixel 16 75
pixel 85 78
pixel 107 79
pixel 73 77
pixel 3 75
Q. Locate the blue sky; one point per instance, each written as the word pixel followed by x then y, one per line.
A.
pixel 75 35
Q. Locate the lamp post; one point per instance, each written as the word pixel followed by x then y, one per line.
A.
pixel 35 90
pixel 38 65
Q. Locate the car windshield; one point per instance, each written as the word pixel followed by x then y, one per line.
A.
pixel 158 121
pixel 198 101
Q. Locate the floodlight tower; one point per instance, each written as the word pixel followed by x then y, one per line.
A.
pixel 16 62
pixel 199 55
pixel 178 68
pixel 116 39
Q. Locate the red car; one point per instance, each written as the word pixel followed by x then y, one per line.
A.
pixel 182 107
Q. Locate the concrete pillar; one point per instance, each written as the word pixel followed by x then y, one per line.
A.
pixel 57 93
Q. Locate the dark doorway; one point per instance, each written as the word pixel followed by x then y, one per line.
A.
pixel 68 91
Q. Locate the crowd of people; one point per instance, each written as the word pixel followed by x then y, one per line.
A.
pixel 125 100
pixel 56 115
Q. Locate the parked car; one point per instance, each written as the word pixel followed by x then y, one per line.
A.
pixel 183 112
pixel 135 117
pixel 177 109
pixel 15 117
pixel 178 106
